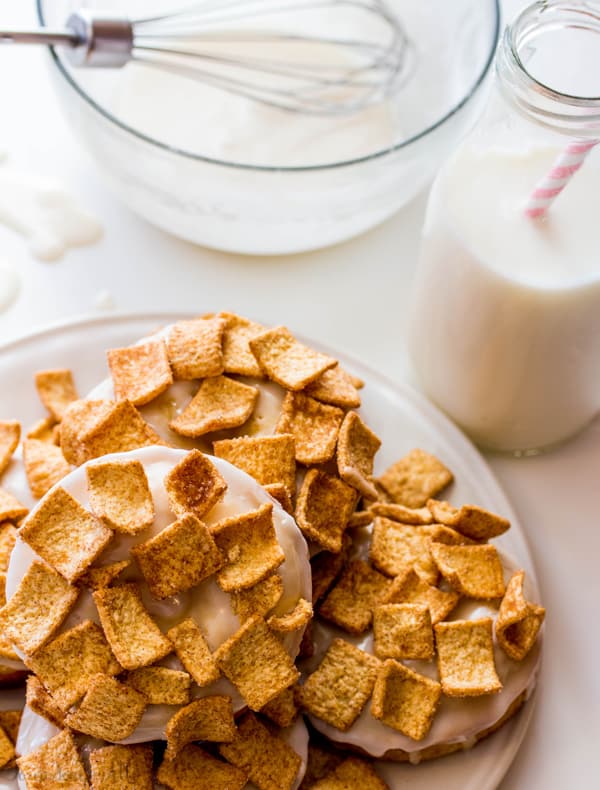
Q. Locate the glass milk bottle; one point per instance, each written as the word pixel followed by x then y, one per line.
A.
pixel 504 331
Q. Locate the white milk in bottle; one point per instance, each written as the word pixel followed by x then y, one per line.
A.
pixel 505 324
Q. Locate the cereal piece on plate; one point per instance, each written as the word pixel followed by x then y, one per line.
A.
pixel 220 403
pixel 65 534
pixel 238 357
pixel 518 620
pixel 256 662
pixel 259 599
pixel 140 373
pixel 356 448
pixel 103 575
pixel 120 496
pixel 281 494
pixel 122 768
pixel 205 719
pixel 192 650
pixel 326 567
pixel 351 602
pixel 405 515
pixel 56 389
pixel 402 630
pixel 39 605
pixel 351 773
pixel 161 686
pixel 414 479
pixel 193 768
pixel 314 426
pixel 44 430
pixel 195 348
pixel 323 509
pixel 282 710
pixel 470 520
pixel 270 762
pixel 10 434
pixel 475 571
pixel 300 616
pixel 110 710
pixel 409 587
pixel 194 485
pixel 339 688
pixel 249 543
pixel 179 557
pixel 268 459
pixel 40 701
pixel 335 387
pixel 8 537
pixel 466 658
pixel 7 749
pixel 10 721
pixel 395 548
pixel 286 361
pixel 44 464
pixel 10 507
pixel 134 637
pixel 68 663
pixel 54 766
pixel 405 700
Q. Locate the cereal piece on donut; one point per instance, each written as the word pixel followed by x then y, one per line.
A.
pixel 414 479
pixel 65 534
pixel 54 766
pixel 466 658
pixel 7 749
pixel 122 768
pixel 351 602
pixel 44 465
pixel 80 417
pixel 205 719
pixel 220 403
pixel 194 768
pixel 286 361
pixel 351 773
pixel 194 485
pixel 10 507
pixel 518 621
pixel 10 435
pixel 282 494
pixel 418 516
pixel 103 575
pixel 411 588
pixel 120 495
pixel 268 459
pixel 192 650
pixel 335 387
pixel 270 762
pixel 38 607
pixel 475 571
pixel 110 710
pixel 256 662
pixel 395 548
pixel 282 709
pixel 41 702
pixel 195 348
pixel 470 520
pixel 249 543
pixel 356 449
pixel 339 688
pixel 179 557
pixel 134 637
pixel 405 700
pixel 8 537
pixel 140 373
pixel 258 599
pixel 314 426
pixel 238 357
pixel 56 389
pixel 299 616
pixel 68 663
pixel 161 685
pixel 323 509
pixel 402 630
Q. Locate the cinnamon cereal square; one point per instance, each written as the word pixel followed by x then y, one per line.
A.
pixel 140 373
pixel 405 700
pixel 351 602
pixel 314 426
pixel 414 479
pixel 284 360
pixel 195 348
pixel 466 658
pixel 323 510
pixel 220 402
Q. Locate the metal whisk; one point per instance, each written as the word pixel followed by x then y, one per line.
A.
pixel 299 55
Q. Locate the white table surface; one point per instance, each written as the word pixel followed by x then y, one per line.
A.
pixel 354 297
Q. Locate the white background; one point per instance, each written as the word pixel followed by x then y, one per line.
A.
pixel 353 297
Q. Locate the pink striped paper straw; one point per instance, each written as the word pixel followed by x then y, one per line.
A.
pixel 563 169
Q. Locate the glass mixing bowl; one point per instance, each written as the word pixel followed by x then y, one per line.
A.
pixel 245 205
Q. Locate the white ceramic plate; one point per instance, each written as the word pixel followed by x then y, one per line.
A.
pixel 401 417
